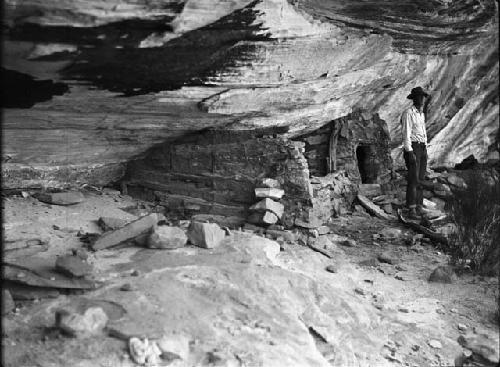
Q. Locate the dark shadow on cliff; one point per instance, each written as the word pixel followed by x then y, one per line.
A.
pixel 23 91
pixel 109 56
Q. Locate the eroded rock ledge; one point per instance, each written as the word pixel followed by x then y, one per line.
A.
pixel 142 74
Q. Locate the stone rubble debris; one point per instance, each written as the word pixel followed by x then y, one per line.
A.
pixel 167 237
pixel 205 235
pixel 91 322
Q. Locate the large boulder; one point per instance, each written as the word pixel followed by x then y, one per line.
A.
pixel 167 237
pixel 205 235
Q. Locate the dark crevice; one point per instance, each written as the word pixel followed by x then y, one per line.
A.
pixel 23 91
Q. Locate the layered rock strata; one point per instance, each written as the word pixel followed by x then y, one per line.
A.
pixel 109 80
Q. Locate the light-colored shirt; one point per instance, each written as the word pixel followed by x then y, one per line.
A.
pixel 413 124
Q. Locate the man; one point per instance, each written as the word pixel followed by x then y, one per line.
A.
pixel 415 151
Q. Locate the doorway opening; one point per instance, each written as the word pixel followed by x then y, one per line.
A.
pixel 367 163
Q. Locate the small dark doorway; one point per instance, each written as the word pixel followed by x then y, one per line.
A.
pixel 367 163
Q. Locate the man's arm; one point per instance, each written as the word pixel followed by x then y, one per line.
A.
pixel 405 121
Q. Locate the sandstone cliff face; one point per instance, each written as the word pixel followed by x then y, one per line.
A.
pixel 93 84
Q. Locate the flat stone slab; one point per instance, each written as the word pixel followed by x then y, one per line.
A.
pixel 128 232
pixel 268 192
pixel 73 266
pixel 61 198
pixel 372 208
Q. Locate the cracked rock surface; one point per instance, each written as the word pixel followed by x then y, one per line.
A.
pixel 249 301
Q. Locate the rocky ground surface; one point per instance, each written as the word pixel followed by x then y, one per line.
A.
pixel 246 301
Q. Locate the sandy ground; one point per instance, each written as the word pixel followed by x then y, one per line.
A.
pixel 313 317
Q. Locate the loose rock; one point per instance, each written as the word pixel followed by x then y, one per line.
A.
pixel 269 183
pixel 73 266
pixel 341 240
pixel 174 344
pixel 126 287
pixel 266 217
pixel 331 269
pixel 92 322
pixel 436 344
pixel 110 223
pixel 166 237
pixel 360 291
pixel 205 235
pixel 385 257
pixel 144 351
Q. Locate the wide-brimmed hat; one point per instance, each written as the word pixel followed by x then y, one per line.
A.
pixel 418 91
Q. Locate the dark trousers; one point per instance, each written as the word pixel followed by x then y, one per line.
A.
pixel 416 163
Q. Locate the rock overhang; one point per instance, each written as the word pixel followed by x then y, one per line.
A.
pixel 161 72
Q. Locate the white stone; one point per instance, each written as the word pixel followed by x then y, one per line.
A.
pixel 436 344
pixel 167 237
pixel 271 205
pixel 144 352
pixel 206 235
pixel 177 344
pixel 269 182
pixel 268 192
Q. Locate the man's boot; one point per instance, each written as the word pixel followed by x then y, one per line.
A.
pixel 412 214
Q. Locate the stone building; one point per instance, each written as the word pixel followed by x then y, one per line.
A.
pixel 216 171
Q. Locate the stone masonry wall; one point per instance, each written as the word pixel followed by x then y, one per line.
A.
pixel 356 130
pixel 216 172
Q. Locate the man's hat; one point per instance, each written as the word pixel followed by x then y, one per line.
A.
pixel 418 91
